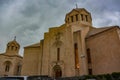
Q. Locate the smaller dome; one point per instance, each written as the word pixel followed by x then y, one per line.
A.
pixel 12 47
pixel 13 43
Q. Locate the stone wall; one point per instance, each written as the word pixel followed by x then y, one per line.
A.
pixel 105 52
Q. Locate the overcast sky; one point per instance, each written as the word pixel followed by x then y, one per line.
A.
pixel 29 19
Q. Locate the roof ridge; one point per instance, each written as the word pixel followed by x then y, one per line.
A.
pixel 33 45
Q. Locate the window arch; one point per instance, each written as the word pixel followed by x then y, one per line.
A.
pixel 12 47
pixel 19 66
pixel 86 16
pixel 8 47
pixel 7 66
pixel 76 17
pixel 89 56
pixel 82 17
pixel 72 18
pixel 16 48
pixel 58 54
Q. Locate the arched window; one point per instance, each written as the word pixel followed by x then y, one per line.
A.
pixel 18 69
pixel 8 47
pixel 76 17
pixel 89 55
pixel 82 17
pixel 12 47
pixel 68 20
pixel 72 19
pixel 16 48
pixel 7 66
pixel 58 54
pixel 86 16
pixel 77 65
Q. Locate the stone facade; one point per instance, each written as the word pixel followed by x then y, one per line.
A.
pixel 11 61
pixel 74 48
pixel 32 63
pixel 105 52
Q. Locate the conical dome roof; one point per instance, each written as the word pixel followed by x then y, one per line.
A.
pixel 13 43
pixel 12 47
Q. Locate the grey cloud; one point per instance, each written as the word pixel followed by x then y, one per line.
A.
pixel 30 10
pixel 34 27
pixel 98 10
pixel 5 2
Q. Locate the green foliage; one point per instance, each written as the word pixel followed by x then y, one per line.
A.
pixel 108 76
pixel 113 76
pixel 90 76
pixel 116 75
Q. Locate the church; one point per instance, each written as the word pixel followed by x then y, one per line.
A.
pixel 11 61
pixel 75 48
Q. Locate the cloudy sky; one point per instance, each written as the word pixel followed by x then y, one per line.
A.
pixel 29 19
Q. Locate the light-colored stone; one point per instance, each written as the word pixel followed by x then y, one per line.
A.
pixel 11 61
pixel 63 38
pixel 103 44
pixel 55 55
pixel 105 52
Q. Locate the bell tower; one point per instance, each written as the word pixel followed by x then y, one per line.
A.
pixel 78 15
pixel 12 47
pixel 78 22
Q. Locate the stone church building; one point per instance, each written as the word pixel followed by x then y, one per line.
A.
pixel 11 61
pixel 74 48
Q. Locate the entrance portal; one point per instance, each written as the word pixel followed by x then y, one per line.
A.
pixel 57 71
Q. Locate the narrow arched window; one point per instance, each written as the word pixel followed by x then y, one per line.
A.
pixel 12 47
pixel 58 54
pixel 68 20
pixel 16 48
pixel 7 67
pixel 76 56
pixel 19 69
pixel 88 55
pixel 76 17
pixel 71 18
pixel 8 47
pixel 86 17
pixel 82 17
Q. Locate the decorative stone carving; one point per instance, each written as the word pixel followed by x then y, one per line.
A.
pixel 58 36
pixel 58 42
